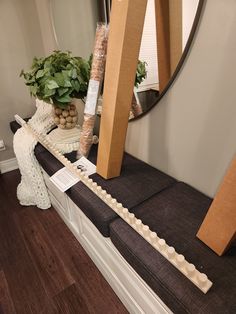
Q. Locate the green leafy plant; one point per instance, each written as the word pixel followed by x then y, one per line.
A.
pixel 58 78
pixel 141 72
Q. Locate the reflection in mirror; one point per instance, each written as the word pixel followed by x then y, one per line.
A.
pixel 165 41
pixel 167 28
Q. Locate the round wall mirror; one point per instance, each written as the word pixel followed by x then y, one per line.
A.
pixel 168 31
pixel 171 25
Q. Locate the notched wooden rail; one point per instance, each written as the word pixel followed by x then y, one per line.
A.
pixel 178 260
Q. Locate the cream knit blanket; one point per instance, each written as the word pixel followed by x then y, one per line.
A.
pixel 32 189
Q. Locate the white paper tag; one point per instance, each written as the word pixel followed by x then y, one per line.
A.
pixel 65 179
pixel 92 96
pixel 85 165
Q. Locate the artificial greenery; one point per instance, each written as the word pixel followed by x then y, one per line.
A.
pixel 58 78
pixel 141 72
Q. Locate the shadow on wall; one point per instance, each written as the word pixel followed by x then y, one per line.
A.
pixel 158 138
pixel 218 131
pixel 77 32
pixel 29 27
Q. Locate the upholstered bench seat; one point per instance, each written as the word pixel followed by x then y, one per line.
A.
pixel 175 214
pixel 131 188
pixel 174 211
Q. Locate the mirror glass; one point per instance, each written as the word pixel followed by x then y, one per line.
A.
pixel 75 24
pixel 168 30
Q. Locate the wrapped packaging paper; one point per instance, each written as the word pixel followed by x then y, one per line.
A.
pixel 136 108
pixel 96 78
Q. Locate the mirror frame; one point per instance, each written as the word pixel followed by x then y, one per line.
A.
pixel 181 61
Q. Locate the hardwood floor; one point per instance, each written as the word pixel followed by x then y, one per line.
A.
pixel 43 268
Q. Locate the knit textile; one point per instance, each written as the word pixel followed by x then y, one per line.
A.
pixel 32 189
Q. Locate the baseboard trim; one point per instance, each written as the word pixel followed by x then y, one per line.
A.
pixel 8 165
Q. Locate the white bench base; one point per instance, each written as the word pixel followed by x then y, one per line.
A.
pixel 132 290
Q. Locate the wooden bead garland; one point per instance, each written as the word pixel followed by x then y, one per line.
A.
pixel 66 118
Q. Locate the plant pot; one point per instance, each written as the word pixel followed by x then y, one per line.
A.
pixel 66 135
pixel 66 118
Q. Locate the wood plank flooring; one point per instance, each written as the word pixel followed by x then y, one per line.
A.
pixel 6 304
pixel 43 268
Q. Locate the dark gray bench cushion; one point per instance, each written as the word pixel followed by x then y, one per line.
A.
pixel 131 188
pixel 98 212
pixel 137 182
pixel 175 215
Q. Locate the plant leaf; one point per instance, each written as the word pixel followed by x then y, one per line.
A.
pixel 62 91
pixel 76 85
pixel 52 84
pixel 66 73
pixel 59 78
pixel 74 74
pixel 67 83
pixel 40 73
pixel 33 89
pixel 48 92
pixel 64 98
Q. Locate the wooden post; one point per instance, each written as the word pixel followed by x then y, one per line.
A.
pixel 163 42
pixel 218 229
pixel 127 19
pixel 175 20
pixel 169 38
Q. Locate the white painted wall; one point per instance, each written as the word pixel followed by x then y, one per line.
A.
pixel 191 133
pixel 20 41
pixel 189 8
pixel 45 15
pixel 26 30
pixel 75 24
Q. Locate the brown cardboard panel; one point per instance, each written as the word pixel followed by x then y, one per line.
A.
pixel 169 38
pixel 175 14
pixel 163 42
pixel 218 229
pixel 127 19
